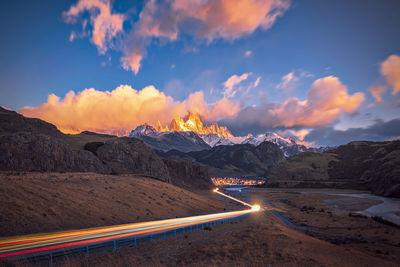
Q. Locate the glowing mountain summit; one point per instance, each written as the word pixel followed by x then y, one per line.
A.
pixel 193 123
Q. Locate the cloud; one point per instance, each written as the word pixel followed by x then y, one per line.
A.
pixel 324 102
pixel 379 131
pixel 377 92
pixel 395 104
pixel 106 24
pixel 253 85
pixel 248 53
pixel 132 60
pixel 122 109
pixel 288 82
pixel 390 68
pixel 221 109
pixel 230 85
pixel 257 82
pixel 204 20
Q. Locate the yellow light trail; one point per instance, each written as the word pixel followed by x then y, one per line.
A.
pixel 253 207
pixel 216 190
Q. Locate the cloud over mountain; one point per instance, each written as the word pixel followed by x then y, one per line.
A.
pixel 324 102
pixel 122 109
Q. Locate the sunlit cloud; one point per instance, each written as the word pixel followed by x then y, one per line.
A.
pixel 377 92
pixel 205 21
pixel 106 24
pixel 289 81
pixel 390 68
pixel 324 102
pixel 122 109
pixel 231 85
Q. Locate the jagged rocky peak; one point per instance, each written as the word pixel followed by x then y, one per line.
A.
pixel 143 130
pixel 192 122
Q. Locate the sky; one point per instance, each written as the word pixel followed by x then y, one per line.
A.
pixel 326 72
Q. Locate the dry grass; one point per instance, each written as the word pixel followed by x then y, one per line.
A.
pixel 45 202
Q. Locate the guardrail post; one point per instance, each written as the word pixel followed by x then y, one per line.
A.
pixel 87 251
pixel 165 234
pixel 174 232
pixel 183 230
pixel 190 228
pixel 50 260
pixel 197 227
pixel 151 238
pixel 134 241
pixel 114 245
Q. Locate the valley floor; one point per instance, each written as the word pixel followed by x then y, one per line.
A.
pixel 256 240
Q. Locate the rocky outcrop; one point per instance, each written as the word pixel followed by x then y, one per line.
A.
pixel 26 151
pixel 12 122
pixel 360 165
pixel 34 145
pixel 130 155
pixel 236 160
pixel 187 174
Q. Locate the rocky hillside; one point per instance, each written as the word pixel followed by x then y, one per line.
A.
pixel 360 165
pixel 236 160
pixel 34 145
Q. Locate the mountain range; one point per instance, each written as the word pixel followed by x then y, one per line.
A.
pixel 28 144
pixel 190 134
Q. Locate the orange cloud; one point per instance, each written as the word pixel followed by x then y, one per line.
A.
pixel 122 109
pixel 390 68
pixel 325 101
pixel 205 20
pixel 377 92
pixel 106 25
pixel 223 108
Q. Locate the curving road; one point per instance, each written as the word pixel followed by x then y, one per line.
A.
pixel 28 244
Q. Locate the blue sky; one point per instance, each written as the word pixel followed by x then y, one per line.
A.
pixel 311 39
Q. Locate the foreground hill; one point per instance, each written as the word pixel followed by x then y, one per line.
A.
pixel 236 160
pixel 34 145
pixel 45 202
pixel 360 165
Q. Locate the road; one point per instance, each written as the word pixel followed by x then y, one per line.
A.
pixel 28 244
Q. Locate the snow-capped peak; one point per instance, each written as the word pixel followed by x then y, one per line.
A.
pixel 143 130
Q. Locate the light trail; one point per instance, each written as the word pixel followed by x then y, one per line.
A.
pixel 45 242
pixel 21 245
pixel 255 207
pixel 216 190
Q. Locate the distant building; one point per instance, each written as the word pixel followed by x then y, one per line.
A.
pixel 233 181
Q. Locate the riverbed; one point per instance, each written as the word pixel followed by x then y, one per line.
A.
pixel 344 201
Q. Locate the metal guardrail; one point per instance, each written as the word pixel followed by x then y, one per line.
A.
pixel 49 255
